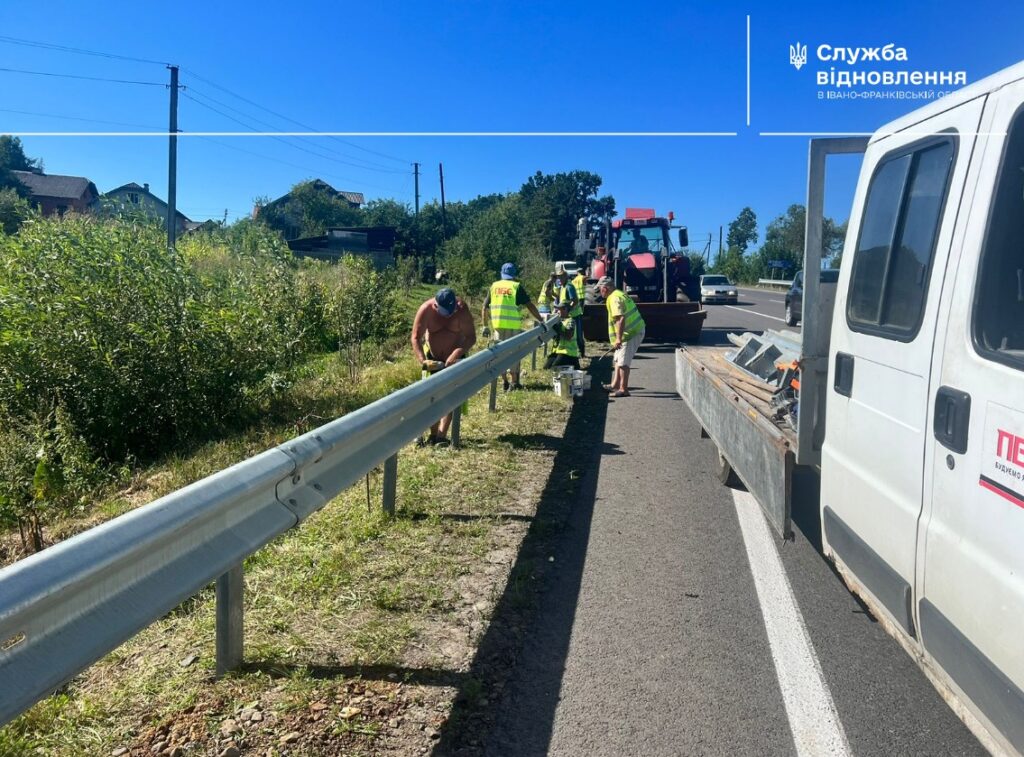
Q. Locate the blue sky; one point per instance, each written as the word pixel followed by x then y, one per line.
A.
pixel 523 66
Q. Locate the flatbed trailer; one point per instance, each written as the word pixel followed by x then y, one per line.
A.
pixel 734 412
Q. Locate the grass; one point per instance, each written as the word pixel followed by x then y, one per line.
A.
pixel 351 590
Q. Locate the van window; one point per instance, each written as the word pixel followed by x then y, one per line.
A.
pixel 892 266
pixel 999 293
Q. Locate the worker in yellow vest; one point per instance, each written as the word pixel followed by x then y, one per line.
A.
pixel 564 351
pixel 568 292
pixel 502 310
pixel 625 332
pixel 546 296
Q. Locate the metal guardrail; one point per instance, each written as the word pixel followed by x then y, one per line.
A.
pixel 774 283
pixel 64 608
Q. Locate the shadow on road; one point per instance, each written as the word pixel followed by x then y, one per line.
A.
pixel 480 722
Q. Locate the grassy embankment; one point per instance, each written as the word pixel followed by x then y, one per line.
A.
pixel 349 592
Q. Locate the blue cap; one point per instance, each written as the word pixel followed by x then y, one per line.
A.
pixel 508 271
pixel 446 301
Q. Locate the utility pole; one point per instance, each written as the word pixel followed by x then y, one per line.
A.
pixel 444 216
pixel 172 163
pixel 416 216
pixel 416 174
pixel 719 244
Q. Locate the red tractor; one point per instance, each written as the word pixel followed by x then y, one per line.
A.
pixel 637 253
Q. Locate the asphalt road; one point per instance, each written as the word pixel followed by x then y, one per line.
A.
pixel 655 636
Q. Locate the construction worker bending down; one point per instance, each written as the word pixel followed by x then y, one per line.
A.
pixel 502 306
pixel 565 351
pixel 625 332
pixel 446 326
pixel 568 292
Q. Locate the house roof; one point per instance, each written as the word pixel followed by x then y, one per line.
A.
pixel 54 185
pixel 353 197
pixel 131 186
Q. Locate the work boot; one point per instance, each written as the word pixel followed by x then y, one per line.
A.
pixel 516 386
pixel 505 385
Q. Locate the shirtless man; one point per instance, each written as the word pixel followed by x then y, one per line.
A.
pixel 444 324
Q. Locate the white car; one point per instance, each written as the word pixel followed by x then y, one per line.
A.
pixel 571 269
pixel 716 288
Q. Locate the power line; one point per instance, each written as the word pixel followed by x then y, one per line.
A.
pixel 312 171
pixel 362 165
pixel 77 118
pixel 76 50
pixel 289 119
pixel 87 78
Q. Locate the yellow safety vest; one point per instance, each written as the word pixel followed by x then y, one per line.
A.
pixel 505 314
pixel 576 312
pixel 567 340
pixel 580 282
pixel 545 294
pixel 633 320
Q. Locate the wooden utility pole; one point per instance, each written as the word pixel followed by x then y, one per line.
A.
pixel 719 244
pixel 172 163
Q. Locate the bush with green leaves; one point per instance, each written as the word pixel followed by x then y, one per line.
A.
pixel 112 348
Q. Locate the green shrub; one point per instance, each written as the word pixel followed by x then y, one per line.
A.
pixel 114 349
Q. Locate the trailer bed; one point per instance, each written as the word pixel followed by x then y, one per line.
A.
pixel 734 412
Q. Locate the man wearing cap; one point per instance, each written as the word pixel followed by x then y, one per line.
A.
pixel 502 310
pixel 567 292
pixel 445 324
pixel 625 332
pixel 565 351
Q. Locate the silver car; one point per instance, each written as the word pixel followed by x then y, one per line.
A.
pixel 717 288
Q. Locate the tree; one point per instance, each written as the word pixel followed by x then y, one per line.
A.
pixel 743 230
pixel 14 210
pixel 553 203
pixel 13 158
pixel 310 209
pixel 784 241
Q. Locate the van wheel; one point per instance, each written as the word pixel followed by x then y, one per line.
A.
pixel 725 472
pixel 791 317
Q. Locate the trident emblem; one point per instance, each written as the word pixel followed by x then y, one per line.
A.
pixel 798 55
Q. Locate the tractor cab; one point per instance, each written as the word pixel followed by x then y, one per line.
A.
pixel 641 245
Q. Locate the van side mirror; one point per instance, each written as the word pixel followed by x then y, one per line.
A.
pixel 684 238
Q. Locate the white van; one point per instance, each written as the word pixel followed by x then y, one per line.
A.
pixel 911 396
pixel 923 459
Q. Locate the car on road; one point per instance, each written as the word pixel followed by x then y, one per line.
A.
pixel 571 268
pixel 795 295
pixel 716 288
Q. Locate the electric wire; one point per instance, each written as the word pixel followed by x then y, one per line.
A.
pixel 289 119
pixel 312 171
pixel 86 78
pixel 76 50
pixel 78 118
pixel 192 93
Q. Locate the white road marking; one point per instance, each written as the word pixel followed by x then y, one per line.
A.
pixel 754 312
pixel 812 714
pixel 781 302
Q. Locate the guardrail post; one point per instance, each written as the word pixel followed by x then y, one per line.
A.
pixel 390 483
pixel 457 426
pixel 492 400
pixel 230 591
pixel 533 360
